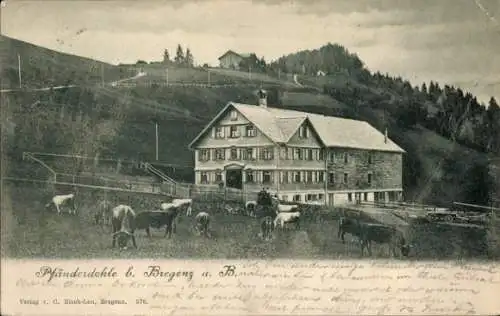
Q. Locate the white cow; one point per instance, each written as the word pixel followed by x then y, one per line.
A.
pixel 287 217
pixel 123 222
pixel 187 203
pixel 60 200
pixel 287 208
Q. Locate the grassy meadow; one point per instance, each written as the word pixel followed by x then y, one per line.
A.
pixel 30 232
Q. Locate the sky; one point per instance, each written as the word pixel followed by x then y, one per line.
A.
pixel 450 41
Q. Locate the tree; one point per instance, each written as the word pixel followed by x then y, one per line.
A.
pixel 479 184
pixel 179 55
pixel 166 57
pixel 188 59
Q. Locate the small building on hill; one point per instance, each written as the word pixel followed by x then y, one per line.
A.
pixel 300 156
pixel 231 59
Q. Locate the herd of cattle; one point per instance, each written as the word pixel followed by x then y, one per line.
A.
pixel 267 209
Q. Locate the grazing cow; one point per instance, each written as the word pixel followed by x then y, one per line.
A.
pixel 368 232
pixel 185 204
pixel 63 200
pixel 286 218
pixel 267 228
pixel 250 207
pixel 104 213
pixel 123 222
pixel 230 209
pixel 158 219
pixel 202 220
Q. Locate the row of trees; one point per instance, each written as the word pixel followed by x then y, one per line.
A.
pixel 181 58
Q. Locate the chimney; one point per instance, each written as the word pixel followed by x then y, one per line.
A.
pixel 385 135
pixel 262 94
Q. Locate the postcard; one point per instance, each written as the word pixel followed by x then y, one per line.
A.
pixel 250 157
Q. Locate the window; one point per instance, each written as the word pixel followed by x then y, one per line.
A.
pixel 284 176
pixel 332 156
pixel 370 158
pixel 218 176
pixel 219 132
pixel 266 153
pixel 365 196
pixel 233 154
pixel 303 131
pixel 296 176
pixel 309 197
pixel 346 158
pixel 250 177
pixel 250 131
pixel 204 155
pixel 297 154
pixel 369 178
pixel 392 196
pixel 234 132
pixel 309 154
pixel 321 154
pixel 346 178
pixel 266 177
pixel 331 177
pixel 321 197
pixel 321 177
pixel 220 154
pixel 296 198
pixel 204 178
pixel 309 176
pixel 234 115
pixel 349 197
pixel 248 154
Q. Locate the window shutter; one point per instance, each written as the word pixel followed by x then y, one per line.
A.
pixel 213 132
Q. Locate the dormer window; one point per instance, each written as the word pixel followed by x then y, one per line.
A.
pixel 234 115
pixel 303 131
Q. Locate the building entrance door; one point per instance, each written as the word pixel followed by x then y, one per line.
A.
pixel 234 178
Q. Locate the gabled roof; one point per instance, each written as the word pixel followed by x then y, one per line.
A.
pixel 242 55
pixel 280 125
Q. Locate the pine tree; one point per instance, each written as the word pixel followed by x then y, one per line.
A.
pixel 189 60
pixel 424 88
pixel 179 55
pixel 166 57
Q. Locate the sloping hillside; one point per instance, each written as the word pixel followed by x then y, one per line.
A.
pixel 118 121
pixel 42 67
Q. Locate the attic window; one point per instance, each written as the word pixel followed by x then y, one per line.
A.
pixel 234 132
pixel 234 116
pixel 219 132
pixel 303 131
pixel 250 131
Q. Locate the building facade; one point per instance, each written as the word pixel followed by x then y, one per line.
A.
pixel 231 60
pixel 301 156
